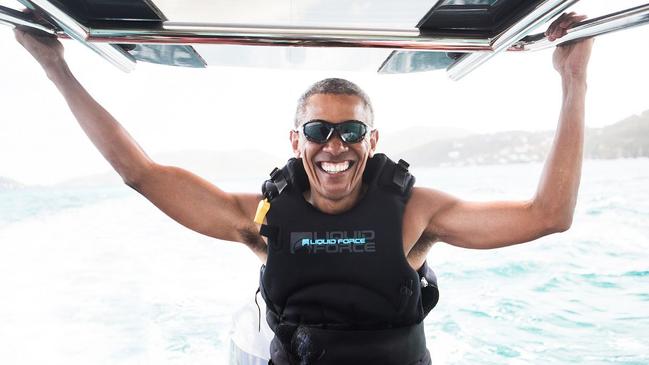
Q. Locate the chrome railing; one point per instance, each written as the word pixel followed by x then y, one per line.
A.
pixel 478 50
pixel 623 19
pixel 541 14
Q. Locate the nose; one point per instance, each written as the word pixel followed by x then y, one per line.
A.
pixel 335 145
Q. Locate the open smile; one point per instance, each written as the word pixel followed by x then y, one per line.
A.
pixel 335 167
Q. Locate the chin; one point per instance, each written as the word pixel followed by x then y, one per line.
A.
pixel 333 194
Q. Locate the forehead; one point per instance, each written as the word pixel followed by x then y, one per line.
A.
pixel 335 108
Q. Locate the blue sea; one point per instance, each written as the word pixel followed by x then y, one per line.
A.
pixel 100 276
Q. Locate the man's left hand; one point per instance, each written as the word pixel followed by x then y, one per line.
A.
pixel 569 59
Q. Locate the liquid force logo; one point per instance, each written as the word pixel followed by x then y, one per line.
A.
pixel 333 242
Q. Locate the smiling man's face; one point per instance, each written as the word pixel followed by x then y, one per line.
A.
pixel 335 168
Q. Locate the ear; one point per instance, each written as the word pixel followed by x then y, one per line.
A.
pixel 294 137
pixel 374 139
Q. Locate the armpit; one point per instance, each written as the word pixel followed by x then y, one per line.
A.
pixel 418 252
pixel 252 239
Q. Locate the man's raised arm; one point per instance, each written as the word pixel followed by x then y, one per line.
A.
pixel 185 197
pixel 497 224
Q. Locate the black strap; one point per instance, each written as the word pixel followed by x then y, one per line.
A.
pixel 405 292
pixel 277 176
pixel 275 185
pixel 291 175
pixel 269 231
pixel 429 289
pixel 314 345
pixel 402 177
pixel 258 310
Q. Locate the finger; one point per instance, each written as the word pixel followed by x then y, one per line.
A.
pixel 551 29
pixel 34 34
pixel 556 23
pixel 563 25
pixel 567 24
pixel 19 34
pixel 36 17
pixel 558 20
pixel 581 18
pixel 560 26
pixel 563 33
pixel 572 20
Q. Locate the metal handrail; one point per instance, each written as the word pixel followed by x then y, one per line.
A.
pixel 541 14
pixel 114 54
pixel 478 50
pixel 609 23
pixel 273 35
pixel 15 18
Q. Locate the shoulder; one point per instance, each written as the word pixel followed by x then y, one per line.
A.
pixel 247 202
pixel 418 236
pixel 425 200
pixel 422 208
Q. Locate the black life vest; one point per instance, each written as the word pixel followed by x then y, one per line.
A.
pixel 338 288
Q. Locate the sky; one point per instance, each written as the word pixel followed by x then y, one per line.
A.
pixel 229 108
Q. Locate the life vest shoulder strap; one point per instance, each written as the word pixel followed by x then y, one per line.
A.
pixel 387 174
pixel 379 170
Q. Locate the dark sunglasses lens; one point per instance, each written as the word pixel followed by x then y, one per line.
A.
pixel 317 131
pixel 352 132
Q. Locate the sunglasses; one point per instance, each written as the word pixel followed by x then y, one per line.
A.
pixel 319 131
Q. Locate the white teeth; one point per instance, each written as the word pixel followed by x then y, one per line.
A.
pixel 332 168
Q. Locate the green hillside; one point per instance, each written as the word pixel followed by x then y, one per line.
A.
pixel 628 138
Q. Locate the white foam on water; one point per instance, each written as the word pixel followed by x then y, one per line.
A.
pixel 118 282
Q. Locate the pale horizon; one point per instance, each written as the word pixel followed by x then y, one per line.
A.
pixel 229 108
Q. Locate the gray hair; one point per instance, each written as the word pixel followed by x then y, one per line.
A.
pixel 338 87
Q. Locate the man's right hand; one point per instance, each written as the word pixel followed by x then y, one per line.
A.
pixel 185 197
pixel 45 48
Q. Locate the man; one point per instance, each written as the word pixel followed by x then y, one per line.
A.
pixel 343 187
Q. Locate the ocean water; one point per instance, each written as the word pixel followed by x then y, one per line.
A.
pixel 100 276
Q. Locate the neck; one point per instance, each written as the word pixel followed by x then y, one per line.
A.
pixel 335 206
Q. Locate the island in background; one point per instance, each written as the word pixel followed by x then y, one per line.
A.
pixel 628 138
pixel 420 146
